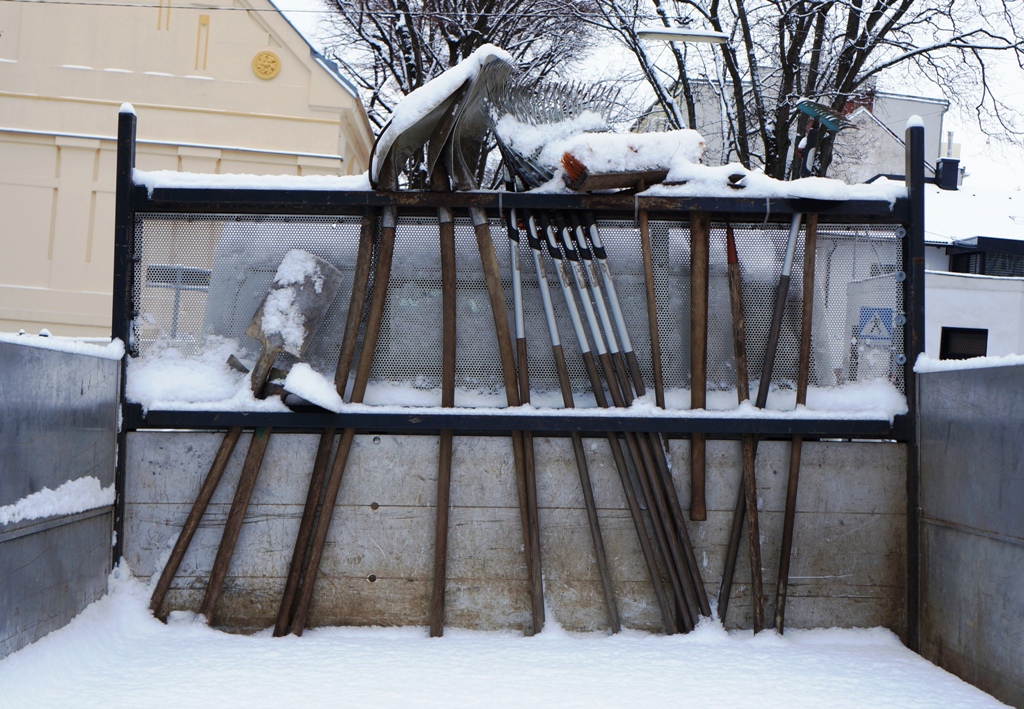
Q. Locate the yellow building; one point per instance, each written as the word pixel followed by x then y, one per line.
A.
pixel 225 87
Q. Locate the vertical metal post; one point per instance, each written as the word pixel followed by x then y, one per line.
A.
pixel 913 345
pixel 124 227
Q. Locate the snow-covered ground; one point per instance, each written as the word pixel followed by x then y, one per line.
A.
pixel 115 654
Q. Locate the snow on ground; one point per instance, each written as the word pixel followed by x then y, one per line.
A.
pixel 115 654
pixel 74 496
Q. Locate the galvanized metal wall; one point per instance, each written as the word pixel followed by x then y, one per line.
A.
pixel 972 526
pixel 848 565
pixel 58 423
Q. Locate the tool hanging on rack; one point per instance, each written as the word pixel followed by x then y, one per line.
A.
pixel 303 289
pixel 832 121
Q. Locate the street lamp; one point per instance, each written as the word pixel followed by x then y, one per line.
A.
pixel 672 34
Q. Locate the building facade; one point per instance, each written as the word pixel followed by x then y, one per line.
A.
pixel 226 87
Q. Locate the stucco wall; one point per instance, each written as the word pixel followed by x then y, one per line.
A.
pixel 982 302
pixel 66 69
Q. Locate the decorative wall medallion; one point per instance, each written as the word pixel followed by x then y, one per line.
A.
pixel 266 64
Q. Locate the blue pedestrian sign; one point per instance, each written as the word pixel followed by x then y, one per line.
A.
pixel 875 324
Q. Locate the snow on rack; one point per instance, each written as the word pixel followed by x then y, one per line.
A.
pixel 72 497
pixel 94 347
pixel 705 181
pixel 166 379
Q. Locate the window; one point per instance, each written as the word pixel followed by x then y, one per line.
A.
pixel 963 343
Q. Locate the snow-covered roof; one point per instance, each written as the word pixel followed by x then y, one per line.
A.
pixel 966 213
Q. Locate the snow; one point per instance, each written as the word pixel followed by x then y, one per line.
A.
pixel 992 210
pixel 915 121
pixel 305 382
pixel 296 266
pixel 419 103
pixel 170 179
pixel 126 107
pixel 168 379
pixel 925 364
pixel 93 347
pixel 116 654
pixel 708 181
pixel 72 497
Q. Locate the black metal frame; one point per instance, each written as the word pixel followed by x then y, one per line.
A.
pixel 134 199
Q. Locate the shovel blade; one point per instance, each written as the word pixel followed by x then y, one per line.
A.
pixel 293 309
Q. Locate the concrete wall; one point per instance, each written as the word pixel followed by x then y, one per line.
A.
pixel 848 564
pixel 59 424
pixel 972 529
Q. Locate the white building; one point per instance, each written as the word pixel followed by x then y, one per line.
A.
pixel 974 282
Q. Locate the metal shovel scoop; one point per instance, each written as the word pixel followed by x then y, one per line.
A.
pixel 293 309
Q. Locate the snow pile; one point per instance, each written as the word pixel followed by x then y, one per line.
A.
pixel 93 347
pixel 167 378
pixel 70 498
pixel 116 654
pixel 306 382
pixel 926 364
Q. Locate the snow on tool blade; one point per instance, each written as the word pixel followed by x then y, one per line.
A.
pixel 417 115
pixel 615 160
pixel 303 289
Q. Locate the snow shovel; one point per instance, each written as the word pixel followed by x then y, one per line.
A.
pixel 303 290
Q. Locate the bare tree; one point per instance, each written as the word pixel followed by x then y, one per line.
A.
pixel 392 47
pixel 832 51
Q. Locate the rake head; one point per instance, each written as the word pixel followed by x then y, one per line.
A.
pixel 549 106
pixel 828 117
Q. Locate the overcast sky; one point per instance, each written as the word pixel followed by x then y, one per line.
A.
pixel 987 162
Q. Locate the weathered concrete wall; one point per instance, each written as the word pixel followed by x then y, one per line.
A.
pixel 848 564
pixel 972 527
pixel 58 423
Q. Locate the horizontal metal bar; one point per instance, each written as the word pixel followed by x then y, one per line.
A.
pixel 35 526
pixel 318 202
pixel 974 531
pixel 468 422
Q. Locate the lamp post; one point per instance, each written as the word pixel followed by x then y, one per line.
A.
pixel 674 34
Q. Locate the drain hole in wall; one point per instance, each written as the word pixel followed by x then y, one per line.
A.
pixel 371 578
pixel 376 440
pixel 374 506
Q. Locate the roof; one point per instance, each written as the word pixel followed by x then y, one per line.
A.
pixel 967 213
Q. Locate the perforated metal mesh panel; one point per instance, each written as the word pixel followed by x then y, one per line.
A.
pixel 200 276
